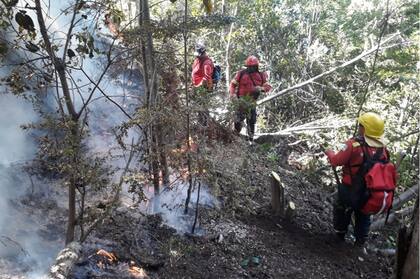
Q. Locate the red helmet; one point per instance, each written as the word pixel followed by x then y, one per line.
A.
pixel 251 61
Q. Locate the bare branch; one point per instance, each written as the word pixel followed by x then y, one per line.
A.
pixel 114 200
pixel 69 33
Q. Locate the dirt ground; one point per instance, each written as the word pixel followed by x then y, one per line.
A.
pixel 242 238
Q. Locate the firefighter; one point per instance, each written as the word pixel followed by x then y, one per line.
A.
pixel 246 87
pixel 202 81
pixel 351 157
pixel 202 69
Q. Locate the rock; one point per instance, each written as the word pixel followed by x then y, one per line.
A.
pixel 220 238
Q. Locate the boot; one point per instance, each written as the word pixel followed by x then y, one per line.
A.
pixel 251 130
pixel 238 127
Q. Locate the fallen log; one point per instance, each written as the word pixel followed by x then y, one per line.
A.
pixel 384 252
pixel 301 129
pixel 378 224
pixel 408 249
pixel 65 261
pixel 405 196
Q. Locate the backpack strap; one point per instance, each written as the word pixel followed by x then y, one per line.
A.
pixel 253 82
pixel 389 209
pixel 241 73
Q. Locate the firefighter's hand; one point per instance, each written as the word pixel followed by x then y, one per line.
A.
pixel 256 94
pixel 259 88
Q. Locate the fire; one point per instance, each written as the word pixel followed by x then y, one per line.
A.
pixel 109 256
pixel 137 272
pixel 193 147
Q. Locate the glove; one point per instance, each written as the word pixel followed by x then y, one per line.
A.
pixel 259 88
pixel 256 94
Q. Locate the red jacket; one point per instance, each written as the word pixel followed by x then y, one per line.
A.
pixel 351 157
pixel 202 70
pixel 246 86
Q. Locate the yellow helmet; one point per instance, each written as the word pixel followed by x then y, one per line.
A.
pixel 373 124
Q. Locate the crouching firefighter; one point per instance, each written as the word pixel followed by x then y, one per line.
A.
pixel 368 180
pixel 246 87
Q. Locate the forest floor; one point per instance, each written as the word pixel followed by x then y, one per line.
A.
pixel 242 238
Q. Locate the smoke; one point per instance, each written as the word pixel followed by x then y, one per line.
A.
pixel 171 205
pixel 15 147
pixel 32 210
pixel 19 233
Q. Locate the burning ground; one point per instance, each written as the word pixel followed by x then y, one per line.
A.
pixel 238 234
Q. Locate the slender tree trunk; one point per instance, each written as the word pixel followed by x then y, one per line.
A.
pixel 71 222
pixel 60 68
pixel 227 49
pixel 187 96
pixel 197 209
pixel 151 87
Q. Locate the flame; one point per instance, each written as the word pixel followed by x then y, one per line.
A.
pixel 109 256
pixel 137 272
pixel 193 147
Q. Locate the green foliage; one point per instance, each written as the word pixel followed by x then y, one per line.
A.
pixel 86 44
pixel 335 101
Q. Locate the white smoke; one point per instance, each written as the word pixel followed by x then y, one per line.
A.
pixel 28 244
pixel 15 147
pixel 172 204
pixel 19 238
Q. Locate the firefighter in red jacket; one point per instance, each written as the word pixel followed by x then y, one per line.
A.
pixel 246 87
pixel 202 80
pixel 202 69
pixel 350 156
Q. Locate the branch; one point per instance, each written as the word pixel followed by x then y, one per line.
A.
pixel 378 224
pixel 106 96
pixel 69 33
pixel 311 80
pixel 365 95
pixel 96 86
pixel 405 196
pixel 58 63
pixel 113 201
pixel 292 130
pixel 14 242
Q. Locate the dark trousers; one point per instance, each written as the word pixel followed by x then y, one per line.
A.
pixel 342 212
pixel 200 98
pixel 250 114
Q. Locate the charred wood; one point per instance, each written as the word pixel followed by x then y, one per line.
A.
pixel 65 261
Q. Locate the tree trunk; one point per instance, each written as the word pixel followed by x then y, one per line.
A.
pixel 187 100
pixel 227 49
pixel 408 249
pixel 60 68
pixel 277 195
pixel 151 88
